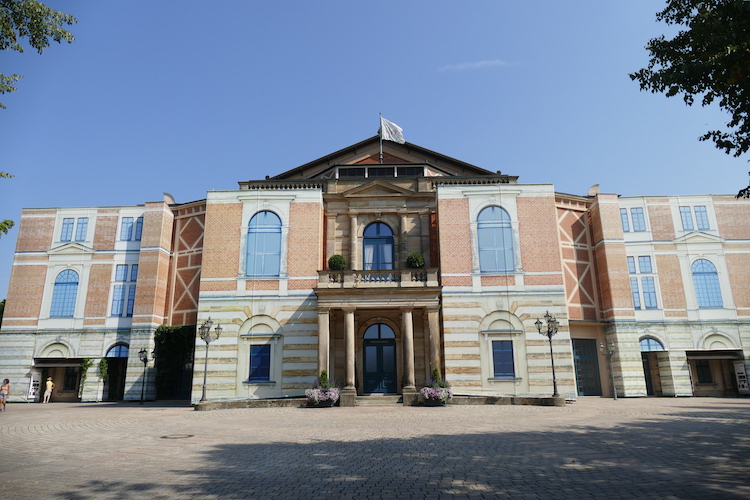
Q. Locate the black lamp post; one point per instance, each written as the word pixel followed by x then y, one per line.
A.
pixel 552 326
pixel 143 356
pixel 609 352
pixel 205 333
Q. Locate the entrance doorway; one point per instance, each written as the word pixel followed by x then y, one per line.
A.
pixel 379 367
pixel 117 366
pixel 586 360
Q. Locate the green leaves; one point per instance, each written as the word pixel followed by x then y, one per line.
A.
pixel 709 60
pixel 35 22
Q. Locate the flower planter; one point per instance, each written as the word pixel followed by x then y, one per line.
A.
pixel 321 404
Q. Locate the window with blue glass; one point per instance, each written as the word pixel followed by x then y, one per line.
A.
pixel 126 229
pixel 686 215
pixel 650 344
pixel 639 221
pixel 82 226
pixel 263 256
pixel 502 358
pixel 701 218
pixel 706 284
pixel 260 363
pixel 378 247
pixel 67 229
pixel 138 228
pixel 64 294
pixel 118 351
pixel 120 306
pixel 643 288
pixel 495 240
pixel 624 220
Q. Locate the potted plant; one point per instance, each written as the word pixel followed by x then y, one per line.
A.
pixel 436 391
pixel 324 394
pixel 415 260
pixel 337 263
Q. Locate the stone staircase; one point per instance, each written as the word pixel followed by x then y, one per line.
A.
pixel 380 400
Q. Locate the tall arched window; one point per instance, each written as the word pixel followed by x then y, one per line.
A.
pixel 378 247
pixel 650 344
pixel 706 283
pixel 495 235
pixel 118 351
pixel 263 245
pixel 64 294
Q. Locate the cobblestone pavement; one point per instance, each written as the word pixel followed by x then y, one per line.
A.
pixel 595 448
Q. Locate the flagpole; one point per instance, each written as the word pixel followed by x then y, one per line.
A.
pixel 380 133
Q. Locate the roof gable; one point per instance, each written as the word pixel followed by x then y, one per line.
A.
pixel 368 152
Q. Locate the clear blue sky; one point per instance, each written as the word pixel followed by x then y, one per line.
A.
pixel 187 96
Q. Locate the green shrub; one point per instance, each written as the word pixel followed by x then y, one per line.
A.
pixel 415 260
pixel 337 263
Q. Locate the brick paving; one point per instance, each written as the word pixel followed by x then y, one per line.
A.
pixel 595 448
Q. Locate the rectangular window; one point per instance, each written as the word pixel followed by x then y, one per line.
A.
pixel 134 272
pixel 126 230
pixel 81 228
pixel 644 264
pixel 260 363
pixel 118 300
pixel 703 370
pixel 121 272
pixel 649 292
pixel 131 301
pixel 639 222
pixel 70 382
pixel 687 218
pixel 701 217
pixel 636 294
pixel 67 230
pixel 502 358
pixel 138 228
pixel 624 219
pixel 631 265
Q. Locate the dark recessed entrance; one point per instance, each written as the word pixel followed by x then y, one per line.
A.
pixel 586 360
pixel 379 349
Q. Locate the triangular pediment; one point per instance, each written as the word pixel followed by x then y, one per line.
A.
pixel 72 248
pixel 368 151
pixel 698 237
pixel 377 188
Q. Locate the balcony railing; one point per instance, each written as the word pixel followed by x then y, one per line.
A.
pixel 391 278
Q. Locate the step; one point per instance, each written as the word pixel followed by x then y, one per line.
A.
pixel 379 400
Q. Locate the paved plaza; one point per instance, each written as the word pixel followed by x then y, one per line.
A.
pixel 594 448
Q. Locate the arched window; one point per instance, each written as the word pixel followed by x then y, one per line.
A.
pixel 706 283
pixel 263 245
pixel 650 344
pixel 495 235
pixel 118 351
pixel 378 247
pixel 64 294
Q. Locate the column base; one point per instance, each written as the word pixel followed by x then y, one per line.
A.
pixel 348 397
pixel 410 396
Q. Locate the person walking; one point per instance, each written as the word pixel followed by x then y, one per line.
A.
pixel 48 390
pixel 4 392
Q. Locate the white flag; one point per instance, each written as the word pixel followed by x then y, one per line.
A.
pixel 389 131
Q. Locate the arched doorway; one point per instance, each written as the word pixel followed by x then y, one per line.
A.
pixel 379 364
pixel 649 347
pixel 117 366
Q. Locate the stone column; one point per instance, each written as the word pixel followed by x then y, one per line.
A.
pixel 409 390
pixel 349 393
pixel 324 340
pixel 353 247
pixel 433 318
pixel 404 246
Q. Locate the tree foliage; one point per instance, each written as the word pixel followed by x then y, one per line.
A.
pixel 708 60
pixel 33 21
pixel 5 225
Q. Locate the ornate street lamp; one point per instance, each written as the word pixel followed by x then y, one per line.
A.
pixel 205 333
pixel 552 326
pixel 609 352
pixel 143 356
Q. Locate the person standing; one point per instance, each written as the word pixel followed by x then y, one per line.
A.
pixel 4 392
pixel 48 390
